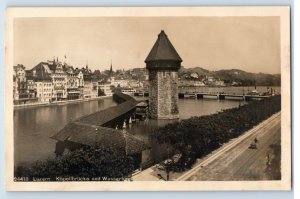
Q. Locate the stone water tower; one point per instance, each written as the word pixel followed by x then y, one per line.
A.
pixel 163 63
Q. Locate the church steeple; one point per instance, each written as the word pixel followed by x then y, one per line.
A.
pixel 111 69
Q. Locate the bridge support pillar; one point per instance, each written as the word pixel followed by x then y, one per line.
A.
pixel 246 98
pixel 221 97
pixel 181 95
pixel 199 96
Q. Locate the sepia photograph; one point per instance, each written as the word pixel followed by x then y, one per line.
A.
pixel 148 99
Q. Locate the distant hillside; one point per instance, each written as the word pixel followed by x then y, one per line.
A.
pixel 233 75
pixel 228 76
pixel 199 70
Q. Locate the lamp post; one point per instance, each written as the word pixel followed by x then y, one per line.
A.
pixel 96 138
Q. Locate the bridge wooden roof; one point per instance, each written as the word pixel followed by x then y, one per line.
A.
pixel 102 137
pixel 102 117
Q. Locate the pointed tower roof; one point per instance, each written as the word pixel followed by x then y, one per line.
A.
pixel 163 55
pixel 163 50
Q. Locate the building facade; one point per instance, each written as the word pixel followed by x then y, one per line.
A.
pixel 40 84
pixel 73 90
pixel 59 79
pixel 20 83
pixel 44 88
pixel 163 63
pixel 105 88
pixel 56 81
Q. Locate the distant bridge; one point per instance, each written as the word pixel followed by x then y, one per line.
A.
pixel 222 96
pixel 141 93
pixel 217 95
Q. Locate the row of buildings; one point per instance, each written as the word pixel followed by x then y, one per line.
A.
pixel 194 79
pixel 195 83
pixel 55 81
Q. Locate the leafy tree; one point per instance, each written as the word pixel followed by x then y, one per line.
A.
pixel 87 163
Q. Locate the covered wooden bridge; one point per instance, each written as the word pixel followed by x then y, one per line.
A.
pixel 98 130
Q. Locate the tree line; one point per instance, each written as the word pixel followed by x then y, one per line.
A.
pixel 88 163
pixel 197 136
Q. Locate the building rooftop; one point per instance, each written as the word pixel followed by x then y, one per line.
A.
pixel 163 50
pixel 40 72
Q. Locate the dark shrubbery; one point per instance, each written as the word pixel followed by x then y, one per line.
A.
pixel 84 163
pixel 195 137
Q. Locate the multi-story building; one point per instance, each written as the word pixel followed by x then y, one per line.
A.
pixel 42 86
pixel 31 86
pixel 20 72
pixel 90 89
pixel 15 88
pixel 87 82
pixel 20 82
pixel 135 84
pixel 59 79
pixel 94 90
pixel 105 88
pixel 73 90
pixel 87 89
pixel 80 82
pixel 123 83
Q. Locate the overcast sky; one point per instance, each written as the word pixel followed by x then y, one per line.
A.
pixel 247 43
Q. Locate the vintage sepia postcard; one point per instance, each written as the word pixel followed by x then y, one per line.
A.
pixel 148 99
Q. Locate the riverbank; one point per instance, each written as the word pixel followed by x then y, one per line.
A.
pixel 57 103
pixel 209 167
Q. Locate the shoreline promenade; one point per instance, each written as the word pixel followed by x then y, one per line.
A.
pixel 57 103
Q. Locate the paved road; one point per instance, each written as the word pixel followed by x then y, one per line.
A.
pixel 238 162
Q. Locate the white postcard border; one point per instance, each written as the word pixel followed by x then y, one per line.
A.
pixel 282 11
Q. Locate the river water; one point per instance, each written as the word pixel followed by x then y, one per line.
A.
pixel 34 126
